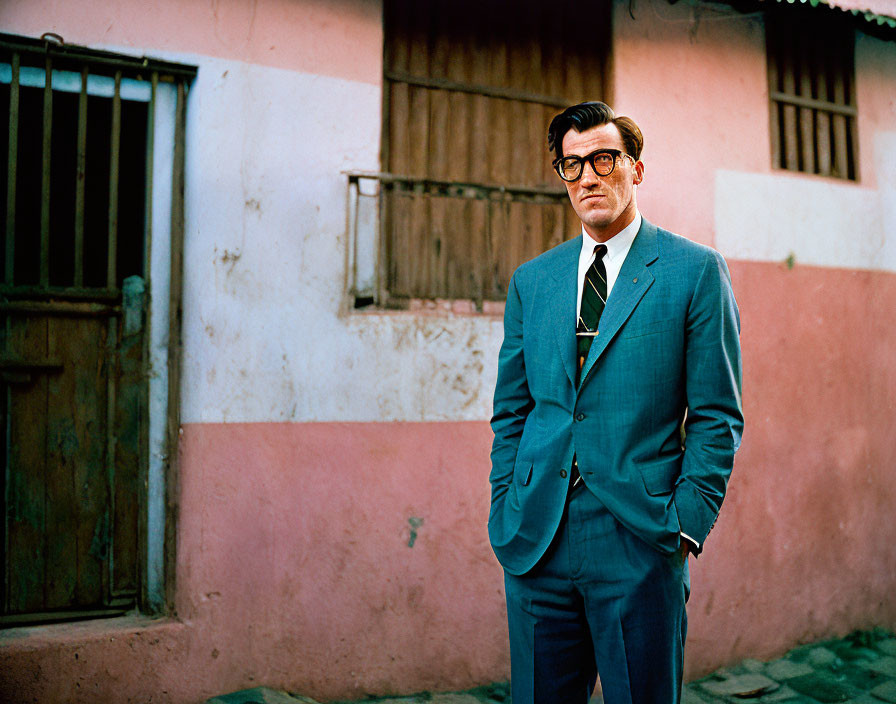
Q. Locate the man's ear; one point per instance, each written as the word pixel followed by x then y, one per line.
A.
pixel 638 173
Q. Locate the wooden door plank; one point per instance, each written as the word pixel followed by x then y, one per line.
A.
pixel 129 412
pixel 78 499
pixel 26 558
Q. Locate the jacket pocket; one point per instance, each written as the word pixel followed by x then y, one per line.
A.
pixel 659 476
pixel 649 328
pixel 525 475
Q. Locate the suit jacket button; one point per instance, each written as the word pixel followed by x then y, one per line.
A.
pixel 580 416
pixel 563 473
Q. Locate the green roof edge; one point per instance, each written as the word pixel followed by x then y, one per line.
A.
pixel 867 15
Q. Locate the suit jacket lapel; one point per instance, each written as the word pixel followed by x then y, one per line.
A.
pixel 632 283
pixel 562 304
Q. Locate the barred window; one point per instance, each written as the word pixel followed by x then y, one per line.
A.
pixel 812 92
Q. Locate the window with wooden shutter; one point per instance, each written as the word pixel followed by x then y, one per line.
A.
pixel 812 92
pixel 470 88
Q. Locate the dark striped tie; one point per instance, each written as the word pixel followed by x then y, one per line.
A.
pixel 594 298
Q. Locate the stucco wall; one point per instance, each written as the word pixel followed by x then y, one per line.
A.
pixel 315 443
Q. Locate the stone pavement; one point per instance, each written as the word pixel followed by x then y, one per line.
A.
pixel 858 669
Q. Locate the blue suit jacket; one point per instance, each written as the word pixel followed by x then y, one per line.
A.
pixel 668 352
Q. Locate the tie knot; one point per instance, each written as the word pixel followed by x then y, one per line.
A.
pixel 600 250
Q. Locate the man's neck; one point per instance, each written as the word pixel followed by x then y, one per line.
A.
pixel 614 228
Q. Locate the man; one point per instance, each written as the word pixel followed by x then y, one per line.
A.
pixel 617 414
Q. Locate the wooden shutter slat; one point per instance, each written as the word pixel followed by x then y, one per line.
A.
pixel 788 83
pixel 823 118
pixel 806 115
pixel 26 472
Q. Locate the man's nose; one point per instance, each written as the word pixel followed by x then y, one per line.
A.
pixel 589 175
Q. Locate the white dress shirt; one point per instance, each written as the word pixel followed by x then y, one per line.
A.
pixel 617 250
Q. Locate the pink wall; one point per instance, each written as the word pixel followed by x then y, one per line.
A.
pixel 294 569
pixel 325 37
pixel 695 81
pixel 803 547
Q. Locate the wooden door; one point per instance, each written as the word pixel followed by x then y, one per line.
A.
pixel 73 411
pixel 72 310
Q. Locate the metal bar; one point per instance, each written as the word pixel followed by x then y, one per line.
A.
pixel 802 102
pixel 150 150
pixel 135 66
pixel 384 222
pixel 37 365
pixel 143 485
pixel 7 401
pixel 59 292
pixel 351 229
pixel 175 340
pixel 75 308
pixel 477 89
pixel 356 216
pixel 111 443
pixel 79 181
pixel 114 159
pixel 449 183
pixel 11 172
pixel 45 178
pixel 773 85
pixel 849 71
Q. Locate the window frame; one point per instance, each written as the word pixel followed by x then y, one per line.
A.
pixel 813 113
pixel 401 256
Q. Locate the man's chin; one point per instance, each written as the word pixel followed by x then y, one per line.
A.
pixel 599 223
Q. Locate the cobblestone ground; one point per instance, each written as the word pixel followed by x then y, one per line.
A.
pixel 858 669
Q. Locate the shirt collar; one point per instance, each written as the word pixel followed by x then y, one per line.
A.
pixel 618 244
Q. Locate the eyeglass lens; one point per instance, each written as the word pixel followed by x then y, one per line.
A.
pixel 602 161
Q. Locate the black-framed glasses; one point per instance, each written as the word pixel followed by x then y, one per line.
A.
pixel 603 161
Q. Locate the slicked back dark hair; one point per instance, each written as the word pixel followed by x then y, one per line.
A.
pixel 594 114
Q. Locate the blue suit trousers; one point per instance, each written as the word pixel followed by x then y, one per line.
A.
pixel 600 600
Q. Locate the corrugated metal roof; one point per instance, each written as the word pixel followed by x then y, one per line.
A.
pixel 881 12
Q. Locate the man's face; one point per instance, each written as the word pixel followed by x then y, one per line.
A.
pixel 604 204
